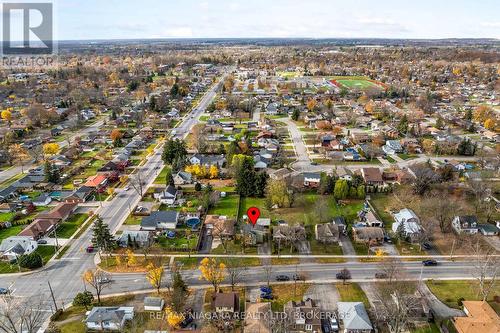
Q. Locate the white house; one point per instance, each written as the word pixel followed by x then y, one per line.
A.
pixel 408 221
pixel 167 196
pixel 182 178
pixel 108 318
pixel 15 246
pixel 153 304
pixel 465 224
pixel 354 317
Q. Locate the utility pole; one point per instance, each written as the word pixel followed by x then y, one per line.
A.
pixel 52 294
pixel 452 249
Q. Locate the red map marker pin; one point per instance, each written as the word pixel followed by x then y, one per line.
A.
pixel 253 214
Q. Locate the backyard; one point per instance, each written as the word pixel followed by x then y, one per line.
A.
pixel 450 292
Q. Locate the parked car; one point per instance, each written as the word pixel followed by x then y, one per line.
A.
pixel 90 249
pixel 126 188
pixel 430 262
pixel 380 275
pixel 265 289
pixel 266 296
pixel 4 291
pixel 427 246
pixel 41 241
pixel 282 278
pixel 298 277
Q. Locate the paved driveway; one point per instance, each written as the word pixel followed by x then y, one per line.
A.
pixel 326 296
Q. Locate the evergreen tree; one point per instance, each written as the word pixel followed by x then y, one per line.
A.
pixel 101 236
pixel 260 184
pixel 341 189
pixel 174 150
pixel 296 114
pixel 246 177
pixel 403 125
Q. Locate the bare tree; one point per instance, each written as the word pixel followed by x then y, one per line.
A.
pixel 268 271
pixel 485 266
pixel 20 315
pixel 398 303
pixel 235 271
pixel 98 280
pixel 391 267
pixel 137 182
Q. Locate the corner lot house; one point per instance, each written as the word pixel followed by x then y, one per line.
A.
pixel 160 220
pixel 465 224
pixel 15 246
pixel 354 317
pixel 108 318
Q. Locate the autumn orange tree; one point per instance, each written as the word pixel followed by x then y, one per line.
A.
pixel 311 104
pixel 155 276
pixel 213 272
pixel 116 135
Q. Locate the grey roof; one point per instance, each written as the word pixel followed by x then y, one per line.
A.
pixel 354 316
pixel 184 175
pixel 11 190
pixel 152 220
pixel 100 314
pixel 153 301
pixel 137 235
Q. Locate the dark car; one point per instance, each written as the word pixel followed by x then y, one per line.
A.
pixel 266 290
pixel 41 241
pixel 266 296
pixel 344 275
pixel 430 262
pixel 4 291
pixel 314 163
pixel 89 249
pixel 380 275
pixel 188 319
pixel 427 246
pixel 282 278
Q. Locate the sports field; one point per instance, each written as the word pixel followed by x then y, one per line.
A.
pixel 356 82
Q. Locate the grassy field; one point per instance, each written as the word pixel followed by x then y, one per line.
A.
pixel 227 206
pixel 46 251
pixel 352 292
pixel 356 82
pixel 161 179
pixel 68 227
pixel 284 293
pixel 449 292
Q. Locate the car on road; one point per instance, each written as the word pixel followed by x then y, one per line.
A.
pixel 104 280
pixel 343 275
pixel 4 291
pixel 41 241
pixel 126 188
pixel 89 249
pixel 314 163
pixel 429 262
pixel 282 277
pixel 298 277
pixel 380 275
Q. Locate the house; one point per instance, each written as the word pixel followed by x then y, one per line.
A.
pixel 108 318
pixel 82 194
pixel 354 318
pixel 304 316
pixel 368 218
pixel 219 226
pixel 139 238
pixel 465 224
pixel 160 220
pixel 343 173
pixel 153 304
pixel 98 181
pixel 406 222
pixel 488 229
pixel 7 193
pixel 392 147
pixel 111 167
pixel 60 160
pixel 359 137
pixel 39 227
pixel 341 223
pixel 42 200
pixel 368 235
pixel 15 246
pixel 208 160
pixel 60 212
pixel 327 233
pixel 281 232
pixel 311 179
pixel 182 178
pixel 372 176
pixel 167 196
pixel 480 318
pixel 226 302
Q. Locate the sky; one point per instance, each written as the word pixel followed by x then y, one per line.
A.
pixel 123 19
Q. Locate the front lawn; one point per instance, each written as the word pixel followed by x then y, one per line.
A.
pixel 46 251
pixel 380 202
pixel 449 292
pixel 69 227
pixel 283 293
pixel 179 243
pixel 161 179
pixel 352 292
pixel 407 156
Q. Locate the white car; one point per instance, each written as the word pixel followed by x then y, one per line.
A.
pixel 126 188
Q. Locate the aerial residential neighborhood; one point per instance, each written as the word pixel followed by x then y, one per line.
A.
pixel 250 167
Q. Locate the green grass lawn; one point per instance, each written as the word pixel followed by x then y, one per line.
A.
pixel 227 206
pixel 391 160
pixel 46 251
pixel 133 219
pixel 7 217
pixel 356 82
pixel 427 328
pixel 380 202
pixel 449 292
pixel 407 156
pixel 68 228
pixel 352 292
pixel 12 231
pixel 161 179
pixel 188 263
pixel 179 242
pixel 73 327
